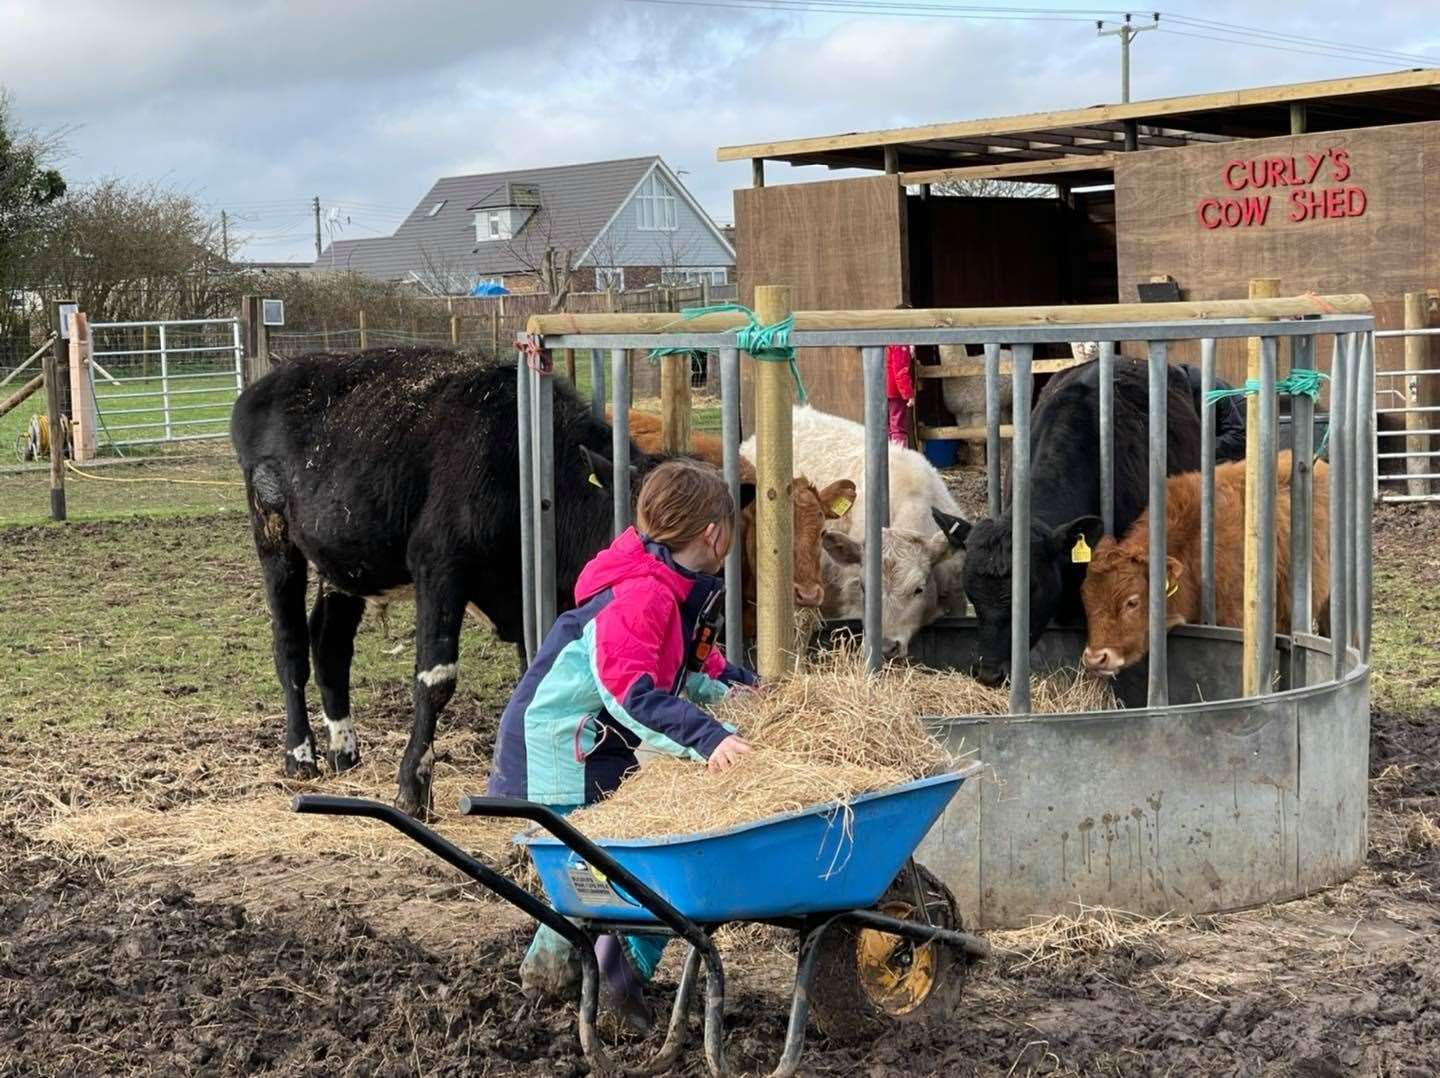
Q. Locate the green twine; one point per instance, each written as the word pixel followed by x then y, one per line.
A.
pixel 1302 381
pixel 767 344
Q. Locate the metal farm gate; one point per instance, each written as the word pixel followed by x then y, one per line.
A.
pixel 159 382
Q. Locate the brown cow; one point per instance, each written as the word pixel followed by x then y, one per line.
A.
pixel 1116 585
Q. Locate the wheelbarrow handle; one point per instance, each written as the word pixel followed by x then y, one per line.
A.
pixel 515 808
pixel 443 848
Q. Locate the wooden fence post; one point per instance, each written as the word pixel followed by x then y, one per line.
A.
pixel 51 370
pixel 1260 288
pixel 364 334
pixel 675 403
pixel 325 335
pixel 82 391
pixel 569 356
pixel 1417 354
pixel 455 330
pixel 495 329
pixel 774 464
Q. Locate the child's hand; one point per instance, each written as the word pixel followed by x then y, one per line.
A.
pixel 727 754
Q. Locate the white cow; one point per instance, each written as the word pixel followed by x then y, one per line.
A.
pixel 827 445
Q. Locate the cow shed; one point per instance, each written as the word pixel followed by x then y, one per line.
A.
pixel 1323 185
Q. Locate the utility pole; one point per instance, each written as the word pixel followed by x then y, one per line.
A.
pixel 225 235
pixel 1126 33
pixel 316 206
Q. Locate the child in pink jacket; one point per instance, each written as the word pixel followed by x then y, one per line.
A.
pixel 899 390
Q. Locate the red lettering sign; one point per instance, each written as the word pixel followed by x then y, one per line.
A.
pixel 1307 203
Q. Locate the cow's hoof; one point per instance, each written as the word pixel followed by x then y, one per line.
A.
pixel 416 805
pixel 343 760
pixel 300 768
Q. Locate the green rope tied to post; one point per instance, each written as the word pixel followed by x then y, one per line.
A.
pixel 766 344
pixel 1302 381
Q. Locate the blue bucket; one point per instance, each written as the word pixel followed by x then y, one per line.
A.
pixel 812 861
pixel 942 452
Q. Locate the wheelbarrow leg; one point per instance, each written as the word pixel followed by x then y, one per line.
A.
pixel 715 1013
pixel 676 1035
pixel 800 1001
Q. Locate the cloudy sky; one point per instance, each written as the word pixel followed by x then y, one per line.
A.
pixel 256 107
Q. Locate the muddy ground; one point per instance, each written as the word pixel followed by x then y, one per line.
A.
pixel 310 961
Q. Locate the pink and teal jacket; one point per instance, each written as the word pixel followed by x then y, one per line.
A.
pixel 608 678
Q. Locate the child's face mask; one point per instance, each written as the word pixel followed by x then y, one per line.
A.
pixel 717 545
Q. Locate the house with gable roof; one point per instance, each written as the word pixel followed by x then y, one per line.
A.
pixel 618 224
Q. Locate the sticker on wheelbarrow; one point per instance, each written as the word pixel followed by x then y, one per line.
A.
pixel 590 886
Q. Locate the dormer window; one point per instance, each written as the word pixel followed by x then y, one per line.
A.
pixel 655 204
pixel 491 225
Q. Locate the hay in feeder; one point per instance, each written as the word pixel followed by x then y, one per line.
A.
pixel 825 734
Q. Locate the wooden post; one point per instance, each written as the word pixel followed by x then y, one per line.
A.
pixel 495 330
pixel 675 403
pixel 774 464
pixel 1260 288
pixel 1297 119
pixel 455 330
pixel 325 335
pixel 82 391
pixel 1417 354
pixel 757 172
pixel 10 403
pixel 892 160
pixel 51 369
pixel 568 354
pixel 364 334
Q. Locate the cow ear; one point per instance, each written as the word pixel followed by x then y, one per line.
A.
pixel 956 529
pixel 1067 536
pixel 1174 568
pixel 841 547
pixel 837 498
pixel 602 470
pixel 747 495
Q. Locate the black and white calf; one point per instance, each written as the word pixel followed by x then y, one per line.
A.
pixel 385 470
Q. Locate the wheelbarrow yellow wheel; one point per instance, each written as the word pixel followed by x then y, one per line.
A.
pixel 866 978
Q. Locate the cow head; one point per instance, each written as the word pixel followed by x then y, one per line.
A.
pixel 909 584
pixel 811 508
pixel 1117 608
pixel 987 575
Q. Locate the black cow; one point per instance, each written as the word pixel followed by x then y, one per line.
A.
pixel 1065 499
pixel 387 469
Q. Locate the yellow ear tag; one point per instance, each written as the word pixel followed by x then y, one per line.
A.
pixel 1170 587
pixel 841 505
pixel 1080 552
pixel 595 481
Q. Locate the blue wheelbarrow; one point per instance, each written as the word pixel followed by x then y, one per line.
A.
pixel 882 932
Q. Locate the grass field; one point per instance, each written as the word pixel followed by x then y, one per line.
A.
pixel 199 406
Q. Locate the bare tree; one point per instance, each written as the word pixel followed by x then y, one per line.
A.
pixel 608 252
pixel 535 248
pixel 442 275
pixel 133 252
pixel 672 254
pixel 29 189
pixel 990 188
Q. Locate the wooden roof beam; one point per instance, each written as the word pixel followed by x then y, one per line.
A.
pixel 1154 112
pixel 1012 170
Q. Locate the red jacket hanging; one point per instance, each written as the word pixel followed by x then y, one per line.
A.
pixel 899 383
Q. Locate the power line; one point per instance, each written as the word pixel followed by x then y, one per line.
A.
pixel 839 7
pixel 1254 31
pixel 1280 48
